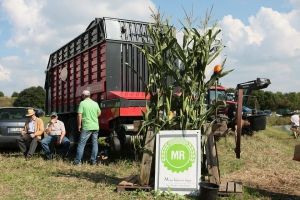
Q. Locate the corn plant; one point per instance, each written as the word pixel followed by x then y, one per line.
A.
pixel 176 85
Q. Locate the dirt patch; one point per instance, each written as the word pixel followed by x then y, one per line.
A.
pixel 266 165
pixel 285 128
pixel 279 181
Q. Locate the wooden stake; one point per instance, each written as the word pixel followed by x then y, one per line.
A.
pixel 212 158
pixel 239 124
pixel 144 176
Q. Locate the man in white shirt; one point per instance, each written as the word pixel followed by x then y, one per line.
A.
pixel 295 124
pixel 56 133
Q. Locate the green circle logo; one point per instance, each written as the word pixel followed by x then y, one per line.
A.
pixel 178 155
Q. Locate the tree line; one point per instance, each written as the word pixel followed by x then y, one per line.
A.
pixel 14 94
pixel 29 97
pixel 266 100
pixel 259 99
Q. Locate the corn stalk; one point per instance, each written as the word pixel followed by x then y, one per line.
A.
pixel 185 109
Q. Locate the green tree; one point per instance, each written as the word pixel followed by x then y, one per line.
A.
pixel 293 98
pixel 31 97
pixel 15 94
pixel 282 100
pixel 1 94
pixel 230 90
pixel 266 100
pixel 270 102
pixel 254 99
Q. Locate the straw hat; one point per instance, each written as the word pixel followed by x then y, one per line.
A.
pixel 30 112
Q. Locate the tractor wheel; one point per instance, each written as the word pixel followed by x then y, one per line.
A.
pixel 72 133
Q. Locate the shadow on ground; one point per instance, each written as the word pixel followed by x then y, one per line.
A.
pixel 93 177
pixel 254 192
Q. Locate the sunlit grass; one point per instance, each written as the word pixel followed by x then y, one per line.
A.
pixel 276 121
pixel 265 165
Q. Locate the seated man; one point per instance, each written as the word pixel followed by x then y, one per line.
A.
pixel 32 132
pixel 56 133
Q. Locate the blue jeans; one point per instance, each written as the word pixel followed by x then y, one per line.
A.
pixel 54 138
pixel 84 136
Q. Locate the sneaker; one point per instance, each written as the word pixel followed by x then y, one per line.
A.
pixel 93 163
pixel 49 157
pixel 64 158
pixel 76 164
pixel 28 157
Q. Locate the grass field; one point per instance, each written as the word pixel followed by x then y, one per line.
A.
pixel 7 101
pixel 266 170
pixel 266 167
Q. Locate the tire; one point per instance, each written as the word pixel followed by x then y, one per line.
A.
pixel 115 145
pixel 72 134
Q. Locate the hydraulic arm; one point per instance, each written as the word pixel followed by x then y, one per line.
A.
pixel 259 83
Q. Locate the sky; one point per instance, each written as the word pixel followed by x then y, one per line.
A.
pixel 262 38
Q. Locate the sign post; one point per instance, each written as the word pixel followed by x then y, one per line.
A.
pixel 178 161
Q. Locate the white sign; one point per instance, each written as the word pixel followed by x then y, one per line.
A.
pixel 178 161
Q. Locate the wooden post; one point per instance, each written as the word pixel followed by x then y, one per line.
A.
pixel 144 176
pixel 239 124
pixel 212 158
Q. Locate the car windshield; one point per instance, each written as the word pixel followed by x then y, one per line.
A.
pixel 12 113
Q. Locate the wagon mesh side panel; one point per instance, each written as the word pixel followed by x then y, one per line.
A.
pixel 96 62
pixel 136 60
pixel 77 76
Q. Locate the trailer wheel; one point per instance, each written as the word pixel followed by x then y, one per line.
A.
pixel 115 145
pixel 72 132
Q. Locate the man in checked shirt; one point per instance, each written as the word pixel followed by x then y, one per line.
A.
pixel 56 133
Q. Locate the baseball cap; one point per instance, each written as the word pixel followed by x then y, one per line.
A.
pixel 53 114
pixel 86 93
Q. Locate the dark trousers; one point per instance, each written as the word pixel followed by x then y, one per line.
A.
pixel 22 144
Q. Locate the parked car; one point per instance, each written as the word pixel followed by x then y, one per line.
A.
pixel 39 112
pixel 268 112
pixel 260 112
pixel 12 122
pixel 284 112
pixel 246 111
